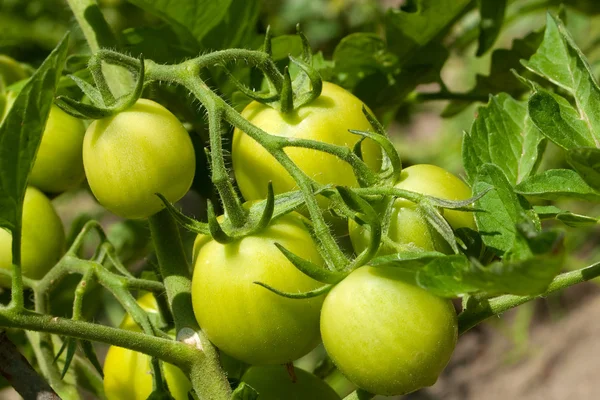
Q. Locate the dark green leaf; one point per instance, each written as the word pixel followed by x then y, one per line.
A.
pixel 492 17
pixel 448 276
pixel 502 134
pixel 384 92
pixel 558 120
pixel 157 43
pixel 500 208
pixel 362 54
pixel 407 31
pixel 558 183
pixel 559 60
pixel 190 19
pixel 586 161
pixel 237 28
pixel 90 353
pixel 21 133
pixel 539 260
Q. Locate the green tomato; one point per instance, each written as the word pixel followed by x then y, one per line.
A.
pixel 245 320
pixel 273 382
pixel 385 334
pixel 326 119
pixel 408 228
pixel 42 239
pixel 128 373
pixel 59 164
pixel 131 156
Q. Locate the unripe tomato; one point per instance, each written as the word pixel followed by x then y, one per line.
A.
pixel 326 119
pixel 128 373
pixel 407 226
pixel 272 382
pixel 42 239
pixel 59 165
pixel 245 320
pixel 131 156
pixel 387 335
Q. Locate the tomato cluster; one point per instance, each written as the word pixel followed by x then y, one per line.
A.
pixel 381 330
pixel 386 334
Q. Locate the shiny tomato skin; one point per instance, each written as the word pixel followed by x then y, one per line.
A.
pixel 273 382
pixel 42 239
pixel 132 155
pixel 408 228
pixel 385 334
pixel 128 373
pixel 326 119
pixel 245 320
pixel 58 165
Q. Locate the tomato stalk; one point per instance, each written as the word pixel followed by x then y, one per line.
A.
pixel 17 300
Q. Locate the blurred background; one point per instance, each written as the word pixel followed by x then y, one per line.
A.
pixel 521 355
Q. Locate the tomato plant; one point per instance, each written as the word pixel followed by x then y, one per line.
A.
pixel 131 156
pixel 227 302
pixel 324 131
pixel 408 226
pixel 43 238
pixel 384 333
pixel 327 119
pixel 59 164
pixel 127 373
pixel 273 382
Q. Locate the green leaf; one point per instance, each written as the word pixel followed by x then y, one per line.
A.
pixel 418 23
pixel 21 133
pixel 556 184
pixel 362 54
pixel 586 161
pixel 559 60
pixel 244 392
pixel 500 208
pixel 90 353
pixel 501 78
pixel 157 43
pixel 492 17
pixel 384 92
pixel 237 28
pixel 558 120
pixel 192 20
pixel 448 277
pixel 526 271
pixel 284 45
pixel 502 134
pixel 566 217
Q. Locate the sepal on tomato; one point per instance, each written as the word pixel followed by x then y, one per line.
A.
pixel 103 103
